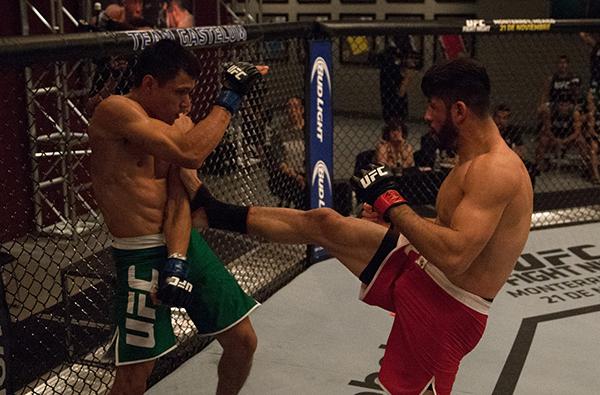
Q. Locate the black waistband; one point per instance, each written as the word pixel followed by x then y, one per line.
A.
pixel 389 242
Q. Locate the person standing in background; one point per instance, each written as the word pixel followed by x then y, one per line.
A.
pixel 396 69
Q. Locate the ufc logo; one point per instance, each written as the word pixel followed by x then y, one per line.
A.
pixel 237 72
pixel 371 176
pixel 140 332
pixel 179 283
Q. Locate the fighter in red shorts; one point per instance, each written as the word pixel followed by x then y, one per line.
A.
pixel 438 276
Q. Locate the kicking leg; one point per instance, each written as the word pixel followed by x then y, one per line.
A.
pixel 351 240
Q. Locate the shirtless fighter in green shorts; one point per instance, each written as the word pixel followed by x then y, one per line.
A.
pixel 135 139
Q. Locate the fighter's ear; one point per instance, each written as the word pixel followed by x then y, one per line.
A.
pixel 459 111
pixel 148 82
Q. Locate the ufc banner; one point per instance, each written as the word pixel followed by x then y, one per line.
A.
pixel 320 131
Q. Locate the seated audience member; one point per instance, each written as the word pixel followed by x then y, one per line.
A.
pixel 593 40
pixel 430 156
pixel 591 135
pixel 563 82
pixel 288 180
pixel 561 129
pixel 426 156
pixel 393 149
pixel 513 136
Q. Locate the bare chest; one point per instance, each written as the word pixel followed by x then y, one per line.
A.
pixel 123 159
pixel 450 195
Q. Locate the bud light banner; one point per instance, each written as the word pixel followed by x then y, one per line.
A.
pixel 320 128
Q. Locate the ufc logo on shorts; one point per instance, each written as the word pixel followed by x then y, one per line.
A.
pixel 238 73
pixel 371 176
pixel 177 282
pixel 141 312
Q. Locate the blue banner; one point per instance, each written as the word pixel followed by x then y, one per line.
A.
pixel 320 128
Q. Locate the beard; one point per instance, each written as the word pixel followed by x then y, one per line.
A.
pixel 448 135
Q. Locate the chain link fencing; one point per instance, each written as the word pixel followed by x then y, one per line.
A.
pixel 57 271
pixel 379 110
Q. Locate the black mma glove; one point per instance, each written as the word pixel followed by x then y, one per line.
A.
pixel 380 188
pixel 174 289
pixel 238 78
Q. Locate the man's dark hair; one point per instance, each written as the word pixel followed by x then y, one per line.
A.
pixel 565 57
pixel 163 60
pixel 501 108
pixel 461 79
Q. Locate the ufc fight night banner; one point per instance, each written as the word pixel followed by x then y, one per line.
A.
pixel 320 129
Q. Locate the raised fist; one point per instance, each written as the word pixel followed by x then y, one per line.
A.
pixel 238 78
pixel 378 187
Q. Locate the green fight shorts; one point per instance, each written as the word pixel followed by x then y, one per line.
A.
pixel 143 329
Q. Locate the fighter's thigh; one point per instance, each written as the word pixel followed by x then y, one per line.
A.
pixel 353 241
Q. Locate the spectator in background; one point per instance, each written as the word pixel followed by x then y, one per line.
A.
pixel 122 15
pixel 562 83
pixel 112 73
pixel 513 136
pixel 560 130
pixel 591 135
pixel 393 149
pixel 288 175
pixel 593 40
pixel 430 155
pixel 178 14
pixel 425 157
pixel 397 67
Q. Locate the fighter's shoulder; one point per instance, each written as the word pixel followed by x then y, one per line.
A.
pixel 117 107
pixel 496 170
pixel 113 114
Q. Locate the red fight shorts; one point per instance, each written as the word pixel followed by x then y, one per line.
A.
pixel 436 323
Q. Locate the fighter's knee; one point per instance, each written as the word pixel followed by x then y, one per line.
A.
pixel 323 218
pixel 241 339
pixel 248 343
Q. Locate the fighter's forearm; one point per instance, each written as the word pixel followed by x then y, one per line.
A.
pixel 178 221
pixel 440 245
pixel 204 137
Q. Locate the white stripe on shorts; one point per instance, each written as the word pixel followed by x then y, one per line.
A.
pixel 139 242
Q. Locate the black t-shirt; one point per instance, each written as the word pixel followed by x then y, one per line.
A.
pixel 563 86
